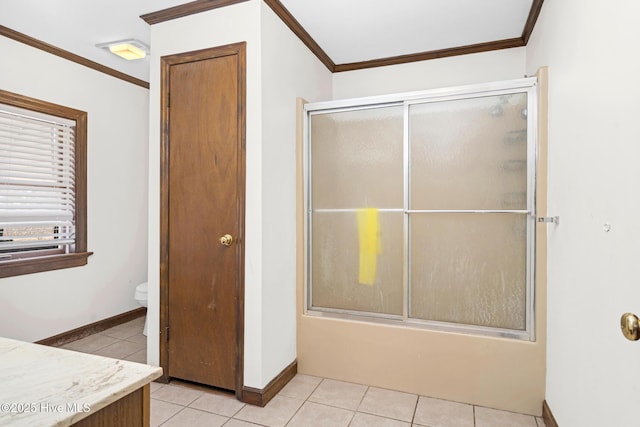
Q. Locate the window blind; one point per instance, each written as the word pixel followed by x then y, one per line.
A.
pixel 37 181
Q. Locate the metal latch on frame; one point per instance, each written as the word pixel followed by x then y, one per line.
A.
pixel 553 219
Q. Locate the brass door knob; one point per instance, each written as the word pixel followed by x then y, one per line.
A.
pixel 226 240
pixel 630 325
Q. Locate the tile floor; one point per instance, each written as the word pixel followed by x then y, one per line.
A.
pixel 305 402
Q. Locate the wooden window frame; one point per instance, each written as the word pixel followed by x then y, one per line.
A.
pixel 45 261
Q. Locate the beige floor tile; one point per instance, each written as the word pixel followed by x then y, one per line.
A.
pixel 239 423
pixel 317 415
pixel 443 413
pixel 176 394
pixel 368 420
pixel 91 343
pixel 338 393
pixel 389 404
pixel 137 320
pixel 487 417
pixel 300 387
pixel 139 338
pixel 194 418
pixel 138 356
pixel 156 386
pixel 222 404
pixel 162 411
pixel 330 402
pixel 275 414
pixel 119 349
pixel 125 330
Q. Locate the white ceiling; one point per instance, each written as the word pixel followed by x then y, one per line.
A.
pixel 360 30
pixel 347 30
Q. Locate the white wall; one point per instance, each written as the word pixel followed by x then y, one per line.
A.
pixel 289 70
pixel 436 73
pixel 590 47
pixel 37 306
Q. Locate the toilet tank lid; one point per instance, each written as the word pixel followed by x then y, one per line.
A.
pixel 142 287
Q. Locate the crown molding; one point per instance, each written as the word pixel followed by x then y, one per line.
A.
pixel 433 54
pixel 38 44
pixel 299 31
pixel 186 10
pixel 304 36
pixel 536 7
pixel 288 19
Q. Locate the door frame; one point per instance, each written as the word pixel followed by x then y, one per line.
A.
pixel 238 49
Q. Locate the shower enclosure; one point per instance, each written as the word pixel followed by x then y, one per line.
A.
pixel 420 209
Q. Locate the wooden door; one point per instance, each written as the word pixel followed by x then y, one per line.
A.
pixel 203 200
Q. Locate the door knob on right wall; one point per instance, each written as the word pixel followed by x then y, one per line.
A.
pixel 630 325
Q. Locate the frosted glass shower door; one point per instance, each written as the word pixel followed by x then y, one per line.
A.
pixel 468 215
pixel 421 209
pixel 356 211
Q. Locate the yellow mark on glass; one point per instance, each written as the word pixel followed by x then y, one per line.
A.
pixel 370 244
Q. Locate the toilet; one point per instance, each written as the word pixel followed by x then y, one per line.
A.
pixel 141 296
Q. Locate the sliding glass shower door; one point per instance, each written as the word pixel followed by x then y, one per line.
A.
pixel 421 210
pixel 357 164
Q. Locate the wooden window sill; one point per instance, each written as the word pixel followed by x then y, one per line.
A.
pixel 22 266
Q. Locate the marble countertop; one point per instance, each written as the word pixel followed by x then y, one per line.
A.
pixel 48 386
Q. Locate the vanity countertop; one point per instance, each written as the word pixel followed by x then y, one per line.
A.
pixel 48 386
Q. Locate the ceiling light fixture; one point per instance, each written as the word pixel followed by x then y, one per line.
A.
pixel 128 49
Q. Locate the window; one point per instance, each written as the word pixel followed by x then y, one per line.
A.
pixel 42 186
pixel 421 209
